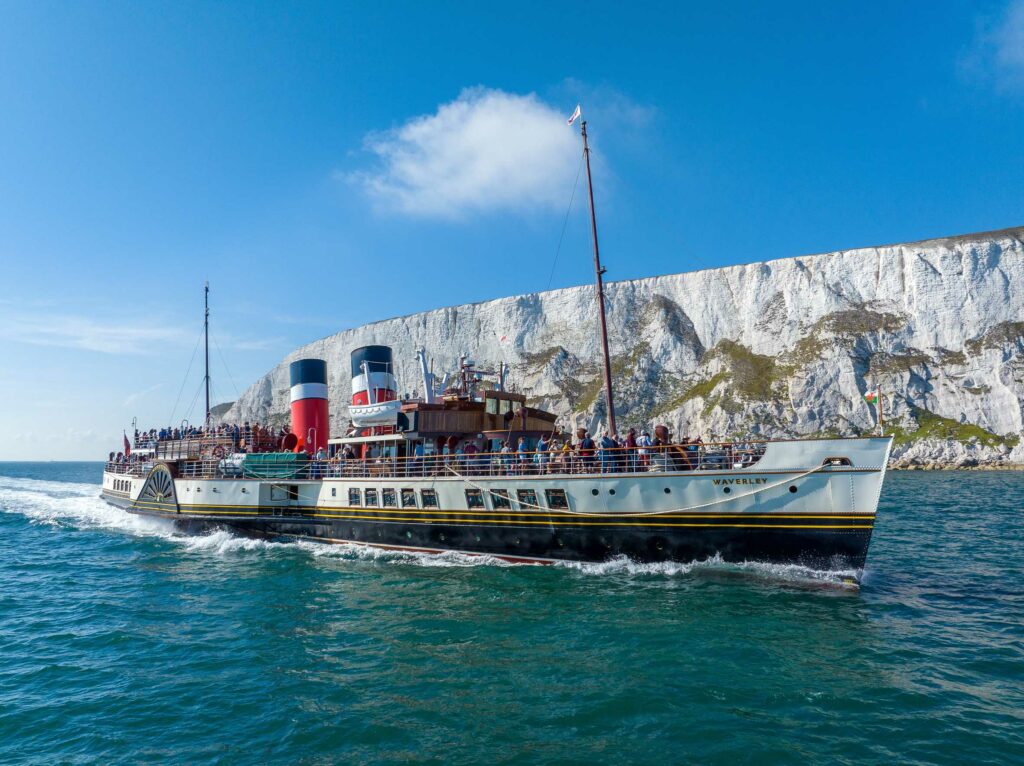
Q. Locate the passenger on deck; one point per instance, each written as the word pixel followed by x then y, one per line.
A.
pixel 630 444
pixel 523 450
pixel 417 461
pixel 586 451
pixel 542 454
pixel 472 461
pixel 608 453
pixel 643 453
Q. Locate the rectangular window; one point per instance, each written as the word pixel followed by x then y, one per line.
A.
pixel 556 499
pixel 388 495
pixel 500 499
pixel 334 491
pixel 527 498
pixel 371 498
pixel 408 498
pixel 353 497
pixel 429 498
pixel 474 498
pixel 278 493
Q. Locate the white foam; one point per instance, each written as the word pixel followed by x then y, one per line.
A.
pixel 417 558
pixel 66 504
pixel 791 573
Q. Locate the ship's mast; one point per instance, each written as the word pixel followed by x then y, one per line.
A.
pixel 206 338
pixel 609 399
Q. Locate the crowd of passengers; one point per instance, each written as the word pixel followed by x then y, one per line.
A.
pixel 557 453
pixel 248 437
pixel 554 453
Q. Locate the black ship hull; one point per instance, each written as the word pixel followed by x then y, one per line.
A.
pixel 818 542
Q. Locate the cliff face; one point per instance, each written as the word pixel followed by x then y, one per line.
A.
pixel 775 349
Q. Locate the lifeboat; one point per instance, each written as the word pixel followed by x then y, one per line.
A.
pixel 379 414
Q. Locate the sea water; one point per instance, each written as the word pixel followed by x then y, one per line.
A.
pixel 122 641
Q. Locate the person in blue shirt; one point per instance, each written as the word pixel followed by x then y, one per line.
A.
pixel 524 455
pixel 417 462
pixel 608 453
pixel 542 454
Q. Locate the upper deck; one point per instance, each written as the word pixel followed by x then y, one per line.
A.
pixel 209 459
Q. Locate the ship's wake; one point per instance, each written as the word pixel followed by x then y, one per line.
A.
pixel 78 506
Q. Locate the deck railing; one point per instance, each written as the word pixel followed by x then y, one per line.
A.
pixel 128 469
pixel 620 460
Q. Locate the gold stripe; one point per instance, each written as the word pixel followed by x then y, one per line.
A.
pixel 554 514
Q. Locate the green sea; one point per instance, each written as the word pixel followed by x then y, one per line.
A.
pixel 122 641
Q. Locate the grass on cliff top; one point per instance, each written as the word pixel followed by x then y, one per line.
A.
pixel 933 426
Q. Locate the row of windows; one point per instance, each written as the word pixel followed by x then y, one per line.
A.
pixel 475 498
pixel 122 485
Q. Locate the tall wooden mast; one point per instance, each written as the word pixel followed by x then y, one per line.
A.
pixel 206 337
pixel 599 272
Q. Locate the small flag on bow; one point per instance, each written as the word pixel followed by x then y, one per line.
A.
pixel 127 445
pixel 575 115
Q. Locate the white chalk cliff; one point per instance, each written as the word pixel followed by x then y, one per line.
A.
pixel 775 349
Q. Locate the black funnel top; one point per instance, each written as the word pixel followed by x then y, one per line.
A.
pixel 307 371
pixel 377 358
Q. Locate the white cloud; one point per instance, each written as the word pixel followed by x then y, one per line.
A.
pixel 997 54
pixel 486 150
pixel 132 399
pixel 1009 41
pixel 126 336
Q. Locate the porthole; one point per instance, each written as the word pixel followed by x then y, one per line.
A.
pixel 726 490
pixel 792 487
pixel 668 491
pixel 611 492
pixel 409 535
pixel 594 491
pixel 478 538
pixel 441 536
pixel 517 541
pixel 561 543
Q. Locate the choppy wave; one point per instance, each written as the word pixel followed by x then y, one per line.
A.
pixel 65 504
pixel 795 573
pixel 78 505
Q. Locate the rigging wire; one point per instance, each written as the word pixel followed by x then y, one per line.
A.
pixel 192 406
pixel 185 379
pixel 565 223
pixel 226 368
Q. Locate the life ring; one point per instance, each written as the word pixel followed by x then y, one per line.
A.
pixel 218 451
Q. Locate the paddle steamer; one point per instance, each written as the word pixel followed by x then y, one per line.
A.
pixel 429 474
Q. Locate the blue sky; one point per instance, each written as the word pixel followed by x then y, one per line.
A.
pixel 293 153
